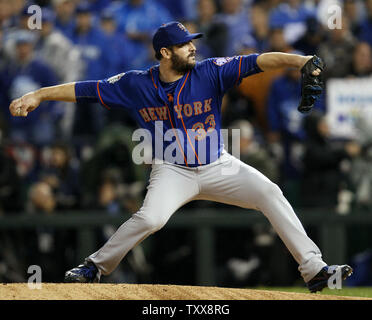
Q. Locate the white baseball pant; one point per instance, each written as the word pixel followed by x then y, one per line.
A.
pixel 171 186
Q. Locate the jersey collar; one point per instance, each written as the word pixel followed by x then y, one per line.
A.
pixel 154 72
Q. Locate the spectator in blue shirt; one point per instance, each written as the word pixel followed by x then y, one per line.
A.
pixel 10 34
pixel 92 43
pixel 55 49
pixel 236 19
pixel 65 13
pixel 282 106
pixel 26 74
pixel 119 47
pixel 122 57
pixel 139 19
pixel 291 15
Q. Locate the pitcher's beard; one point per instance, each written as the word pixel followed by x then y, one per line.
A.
pixel 180 65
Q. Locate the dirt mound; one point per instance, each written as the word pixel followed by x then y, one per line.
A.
pixel 72 291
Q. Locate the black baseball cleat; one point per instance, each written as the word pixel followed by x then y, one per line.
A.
pixel 83 273
pixel 320 281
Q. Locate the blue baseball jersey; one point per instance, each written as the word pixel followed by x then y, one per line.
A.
pixel 183 118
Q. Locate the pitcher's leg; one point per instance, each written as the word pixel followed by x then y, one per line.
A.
pixel 168 190
pixel 251 189
pixel 282 217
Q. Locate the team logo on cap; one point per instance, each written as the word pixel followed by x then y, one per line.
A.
pixel 181 26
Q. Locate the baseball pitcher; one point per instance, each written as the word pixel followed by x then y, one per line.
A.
pixel 178 102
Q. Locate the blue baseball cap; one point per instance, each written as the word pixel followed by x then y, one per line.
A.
pixel 48 15
pixel 172 33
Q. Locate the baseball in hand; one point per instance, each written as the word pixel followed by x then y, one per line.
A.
pixel 22 106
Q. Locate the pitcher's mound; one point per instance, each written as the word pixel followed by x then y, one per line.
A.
pixel 101 291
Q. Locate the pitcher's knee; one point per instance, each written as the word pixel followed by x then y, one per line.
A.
pixel 269 191
pixel 152 223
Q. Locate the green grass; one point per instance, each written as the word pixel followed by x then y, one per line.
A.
pixel 365 292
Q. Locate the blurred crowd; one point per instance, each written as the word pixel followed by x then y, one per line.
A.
pixel 65 156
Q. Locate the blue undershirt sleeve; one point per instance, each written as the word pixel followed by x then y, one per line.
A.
pixel 85 91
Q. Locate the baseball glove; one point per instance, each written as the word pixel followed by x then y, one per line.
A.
pixel 311 85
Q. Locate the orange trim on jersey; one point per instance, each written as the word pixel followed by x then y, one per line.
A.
pixel 152 78
pixel 170 119
pixel 240 66
pixel 100 98
pixel 178 103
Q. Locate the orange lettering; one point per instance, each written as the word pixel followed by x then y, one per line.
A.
pixel 178 109
pixel 187 110
pixel 152 113
pixel 198 108
pixel 199 129
pixel 207 105
pixel 162 112
pixel 144 115
pixel 211 121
